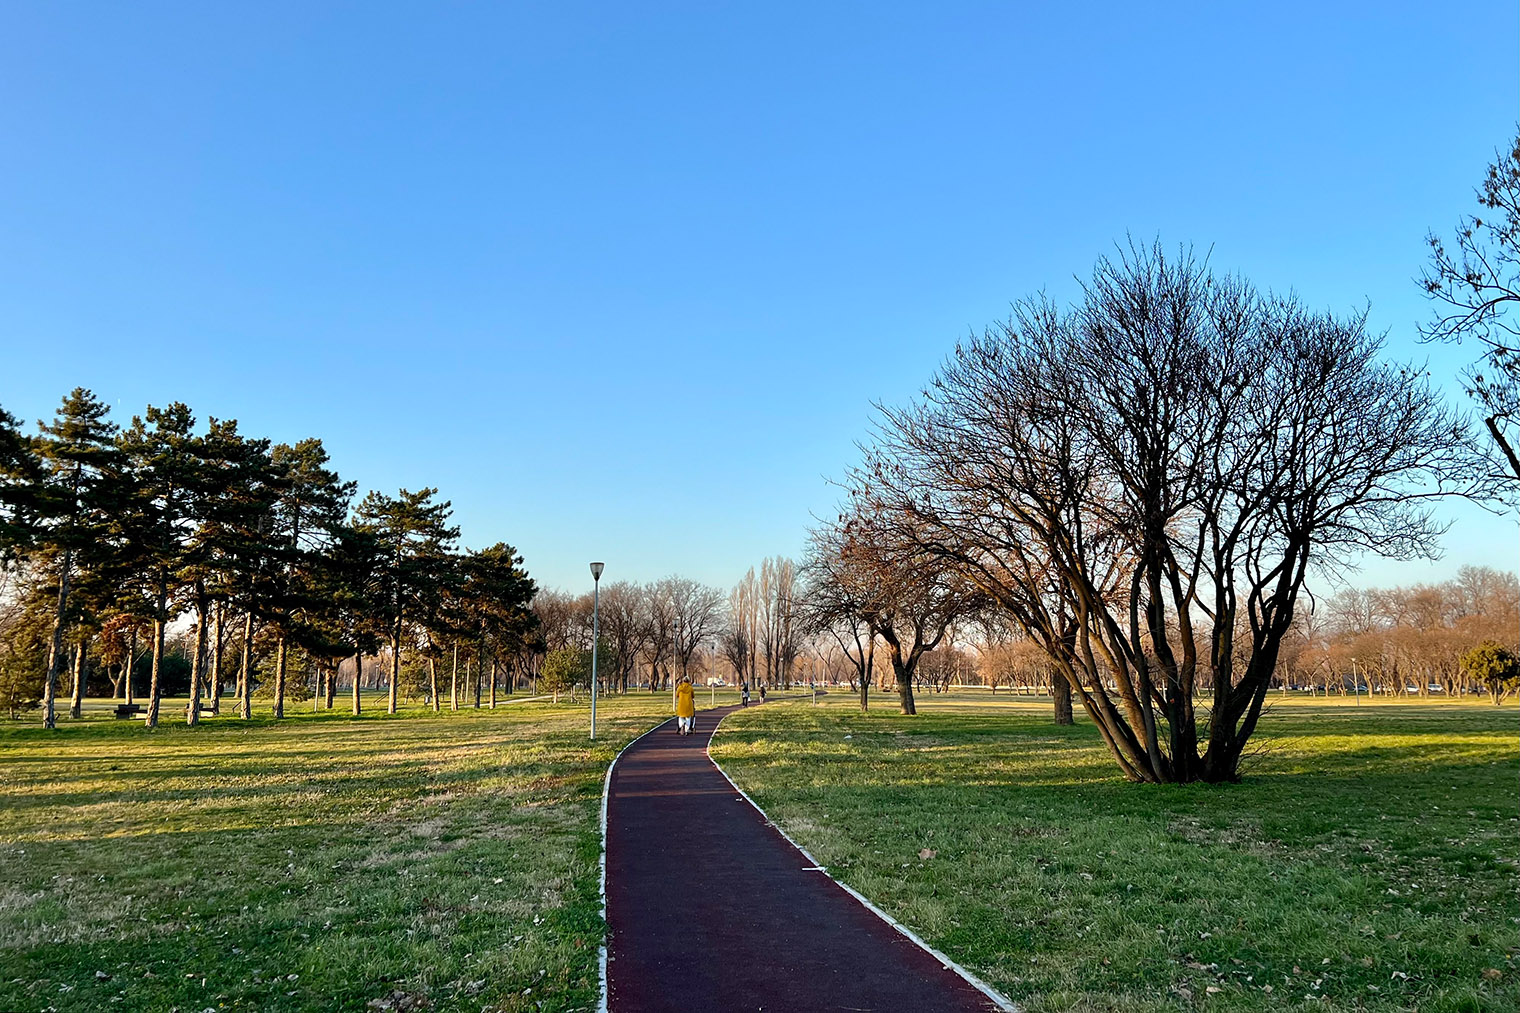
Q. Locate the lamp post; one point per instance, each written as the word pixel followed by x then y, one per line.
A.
pixel 596 634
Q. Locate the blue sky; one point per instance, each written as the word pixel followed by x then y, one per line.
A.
pixel 623 279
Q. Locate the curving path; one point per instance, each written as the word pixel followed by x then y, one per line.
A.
pixel 710 908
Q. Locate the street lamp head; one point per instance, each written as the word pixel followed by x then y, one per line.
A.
pixel 596 570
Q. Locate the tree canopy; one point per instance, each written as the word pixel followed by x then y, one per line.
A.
pixel 1143 481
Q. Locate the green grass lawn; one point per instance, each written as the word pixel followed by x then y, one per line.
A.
pixel 450 862
pixel 320 863
pixel 1368 861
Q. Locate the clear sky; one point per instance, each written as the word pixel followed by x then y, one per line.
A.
pixel 622 279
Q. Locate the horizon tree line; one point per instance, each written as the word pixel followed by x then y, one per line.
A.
pixel 109 535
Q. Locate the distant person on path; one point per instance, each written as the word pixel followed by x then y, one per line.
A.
pixel 744 694
pixel 762 694
pixel 686 706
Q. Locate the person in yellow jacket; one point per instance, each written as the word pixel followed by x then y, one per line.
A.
pixel 686 705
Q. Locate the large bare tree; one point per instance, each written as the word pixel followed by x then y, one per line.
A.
pixel 741 635
pixel 696 616
pixel 1475 285
pixel 909 599
pixel 835 606
pixel 660 639
pixel 625 627
pixel 1145 477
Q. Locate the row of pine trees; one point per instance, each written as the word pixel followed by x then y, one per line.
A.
pixel 109 533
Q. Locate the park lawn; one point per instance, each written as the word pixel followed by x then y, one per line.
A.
pixel 1366 862
pixel 322 862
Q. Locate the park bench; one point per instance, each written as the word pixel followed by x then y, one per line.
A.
pixel 127 710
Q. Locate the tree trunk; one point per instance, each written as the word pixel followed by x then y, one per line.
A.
pixel 279 677
pixel 493 683
pixel 131 663
pixel 332 685
pixel 902 672
pixel 905 695
pixel 197 666
pixel 1060 689
pixel 55 651
pixel 454 681
pixel 358 677
pixel 866 677
pixel 76 696
pixel 245 677
pixel 433 683
pixel 480 665
pixel 155 687
pixel 390 704
pixel 216 658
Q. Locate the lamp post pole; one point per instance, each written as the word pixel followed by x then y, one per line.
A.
pixel 596 634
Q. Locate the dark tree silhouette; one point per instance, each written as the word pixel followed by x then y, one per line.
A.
pixel 1475 285
pixel 1142 479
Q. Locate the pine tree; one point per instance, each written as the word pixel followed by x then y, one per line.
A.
pixel 496 594
pixel 354 562
pixel 233 498
pixel 413 533
pixel 20 475
pixel 310 506
pixel 159 520
pixel 80 487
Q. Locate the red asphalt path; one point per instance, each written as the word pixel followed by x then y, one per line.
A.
pixel 710 908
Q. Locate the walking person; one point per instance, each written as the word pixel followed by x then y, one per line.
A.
pixel 762 694
pixel 744 694
pixel 686 705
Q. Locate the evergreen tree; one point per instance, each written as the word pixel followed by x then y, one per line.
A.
pixel 446 623
pixel 159 521
pixel 74 502
pixel 20 472
pixel 413 533
pixel 355 565
pixel 310 505
pixel 237 503
pixel 233 498
pixel 339 621
pixel 496 594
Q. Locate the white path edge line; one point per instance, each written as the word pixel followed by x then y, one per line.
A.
pixel 1000 1001
pixel 601 1005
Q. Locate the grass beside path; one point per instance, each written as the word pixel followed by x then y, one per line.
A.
pixel 319 863
pixel 1368 861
